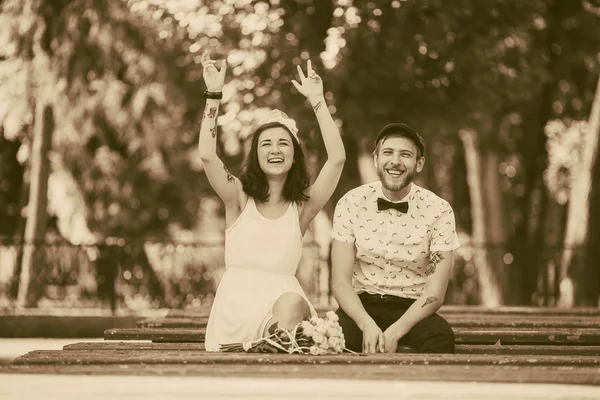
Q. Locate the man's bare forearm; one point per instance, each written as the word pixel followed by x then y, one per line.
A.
pixel 351 304
pixel 437 276
pixel 422 308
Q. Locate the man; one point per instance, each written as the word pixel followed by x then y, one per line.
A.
pixel 392 254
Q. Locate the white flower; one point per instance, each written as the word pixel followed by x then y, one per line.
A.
pixel 314 350
pixel 318 337
pixel 322 329
pixel 309 330
pixel 335 331
pixel 332 316
pixel 324 345
pixel 333 341
pixel 321 352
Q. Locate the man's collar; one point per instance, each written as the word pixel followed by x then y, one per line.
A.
pixel 405 198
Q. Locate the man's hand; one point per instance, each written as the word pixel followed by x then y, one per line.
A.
pixel 373 339
pixel 391 337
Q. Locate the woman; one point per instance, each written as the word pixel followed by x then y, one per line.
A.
pixel 267 212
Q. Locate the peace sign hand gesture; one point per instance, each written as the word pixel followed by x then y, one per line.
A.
pixel 311 86
pixel 213 78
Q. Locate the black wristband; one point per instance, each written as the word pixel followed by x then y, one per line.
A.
pixel 213 95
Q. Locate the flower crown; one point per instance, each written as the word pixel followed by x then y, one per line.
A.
pixel 282 118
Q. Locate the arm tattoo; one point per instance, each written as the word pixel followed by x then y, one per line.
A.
pixel 434 260
pixel 213 132
pixel 317 106
pixel 210 113
pixel 230 178
pixel 429 300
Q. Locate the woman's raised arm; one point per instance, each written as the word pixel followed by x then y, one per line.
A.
pixel 223 182
pixel 311 86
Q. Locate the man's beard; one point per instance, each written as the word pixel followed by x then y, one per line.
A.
pixel 387 183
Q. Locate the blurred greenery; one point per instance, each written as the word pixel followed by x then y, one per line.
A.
pixel 125 81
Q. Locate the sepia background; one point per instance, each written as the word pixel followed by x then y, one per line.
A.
pixel 103 200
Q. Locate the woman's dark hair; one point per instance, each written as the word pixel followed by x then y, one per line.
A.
pixel 254 180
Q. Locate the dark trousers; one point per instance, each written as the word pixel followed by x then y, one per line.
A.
pixel 431 335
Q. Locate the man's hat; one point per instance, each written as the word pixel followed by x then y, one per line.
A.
pixel 403 130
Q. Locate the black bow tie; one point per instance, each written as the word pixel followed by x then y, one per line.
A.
pixel 383 204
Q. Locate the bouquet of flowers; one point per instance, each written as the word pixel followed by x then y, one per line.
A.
pixel 317 336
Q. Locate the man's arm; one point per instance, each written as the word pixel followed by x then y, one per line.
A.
pixel 436 282
pixel 342 260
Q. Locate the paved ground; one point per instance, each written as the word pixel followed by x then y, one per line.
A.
pixel 131 387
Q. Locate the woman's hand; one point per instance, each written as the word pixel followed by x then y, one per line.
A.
pixel 213 78
pixel 311 86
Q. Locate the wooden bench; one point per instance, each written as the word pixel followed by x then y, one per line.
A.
pixel 516 344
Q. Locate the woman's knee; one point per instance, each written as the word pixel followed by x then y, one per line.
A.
pixel 291 306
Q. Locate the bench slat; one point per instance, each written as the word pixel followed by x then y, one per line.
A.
pixel 587 336
pixel 156 334
pixel 113 345
pixel 457 320
pixel 460 349
pixel 202 357
pixel 519 310
pixel 446 373
pixel 445 310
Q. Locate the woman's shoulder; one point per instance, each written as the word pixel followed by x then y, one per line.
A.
pixel 243 200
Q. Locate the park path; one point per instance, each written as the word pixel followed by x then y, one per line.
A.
pixel 64 387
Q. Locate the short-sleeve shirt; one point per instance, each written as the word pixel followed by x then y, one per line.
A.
pixel 393 248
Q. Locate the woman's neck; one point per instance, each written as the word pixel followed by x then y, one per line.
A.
pixel 276 190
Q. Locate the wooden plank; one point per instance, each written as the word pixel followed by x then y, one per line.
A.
pixel 455 320
pixel 587 336
pixel 444 310
pixel 202 357
pixel 460 349
pixel 519 310
pixel 444 373
pixel 156 334
pixel 504 321
pixel 139 346
pixel 173 322
pixel 529 349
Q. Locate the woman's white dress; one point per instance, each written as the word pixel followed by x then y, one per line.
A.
pixel 261 258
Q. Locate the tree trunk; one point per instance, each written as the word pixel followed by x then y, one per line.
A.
pixel 490 293
pixel 494 222
pixel 590 286
pixel 573 260
pixel 30 278
pixel 527 244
